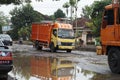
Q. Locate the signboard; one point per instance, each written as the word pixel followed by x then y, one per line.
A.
pixel 6 28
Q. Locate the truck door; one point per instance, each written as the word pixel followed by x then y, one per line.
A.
pixel 108 29
pixel 54 37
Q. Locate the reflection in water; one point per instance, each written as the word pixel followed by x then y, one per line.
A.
pixel 82 74
pixel 50 68
pixel 21 67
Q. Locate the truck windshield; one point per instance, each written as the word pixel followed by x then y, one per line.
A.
pixel 65 33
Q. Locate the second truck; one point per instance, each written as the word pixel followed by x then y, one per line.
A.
pixel 110 35
pixel 56 36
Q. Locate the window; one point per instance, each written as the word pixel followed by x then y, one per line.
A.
pixel 54 32
pixel 109 16
pixel 118 17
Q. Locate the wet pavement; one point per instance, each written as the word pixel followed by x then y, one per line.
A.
pixel 30 64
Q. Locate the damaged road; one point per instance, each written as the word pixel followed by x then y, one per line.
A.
pixel 87 65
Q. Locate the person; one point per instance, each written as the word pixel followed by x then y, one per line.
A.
pixel 81 42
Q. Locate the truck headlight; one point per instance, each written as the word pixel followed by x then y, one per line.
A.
pixel 59 43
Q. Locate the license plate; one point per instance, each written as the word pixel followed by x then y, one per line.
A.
pixel 4 62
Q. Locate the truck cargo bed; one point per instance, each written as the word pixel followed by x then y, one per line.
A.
pixel 41 32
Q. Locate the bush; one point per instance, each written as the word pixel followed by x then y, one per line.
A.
pixel 97 41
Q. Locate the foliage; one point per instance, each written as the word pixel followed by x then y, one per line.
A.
pixel 52 17
pixel 3 20
pixel 87 11
pixel 59 14
pixel 97 41
pixel 72 2
pixel 24 32
pixel 17 2
pixel 94 12
pixel 66 5
pixel 23 17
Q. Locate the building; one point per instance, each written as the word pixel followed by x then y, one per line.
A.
pixel 82 30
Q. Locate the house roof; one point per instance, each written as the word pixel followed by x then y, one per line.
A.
pixel 81 23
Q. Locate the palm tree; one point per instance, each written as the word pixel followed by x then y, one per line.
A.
pixel 72 4
pixel 66 5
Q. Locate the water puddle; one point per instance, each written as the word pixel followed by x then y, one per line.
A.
pixel 52 68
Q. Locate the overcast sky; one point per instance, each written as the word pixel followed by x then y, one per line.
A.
pixel 48 7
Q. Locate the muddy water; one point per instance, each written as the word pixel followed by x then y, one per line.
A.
pixel 36 67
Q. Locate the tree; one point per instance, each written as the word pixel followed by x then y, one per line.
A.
pixel 17 2
pixel 87 11
pixel 24 32
pixel 72 4
pixel 94 12
pixel 23 17
pixel 3 20
pixel 66 5
pixel 14 1
pixel 59 14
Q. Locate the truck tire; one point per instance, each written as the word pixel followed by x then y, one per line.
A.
pixel 69 50
pixel 37 46
pixel 114 60
pixel 52 48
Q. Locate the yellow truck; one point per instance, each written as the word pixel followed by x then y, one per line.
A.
pixel 56 36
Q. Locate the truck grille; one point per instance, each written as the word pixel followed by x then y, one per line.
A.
pixel 66 44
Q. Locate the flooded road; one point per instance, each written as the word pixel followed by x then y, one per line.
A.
pixel 43 65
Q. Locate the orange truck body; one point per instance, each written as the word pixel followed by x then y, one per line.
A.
pixel 42 32
pixel 110 35
pixel 46 67
pixel 53 35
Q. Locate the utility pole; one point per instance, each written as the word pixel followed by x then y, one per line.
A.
pixel 76 26
pixel 76 19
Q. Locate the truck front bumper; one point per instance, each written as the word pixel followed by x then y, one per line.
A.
pixel 65 47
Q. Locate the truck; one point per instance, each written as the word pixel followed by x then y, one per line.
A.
pixel 56 36
pixel 110 35
pixel 51 68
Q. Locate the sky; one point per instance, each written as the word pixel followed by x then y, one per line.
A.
pixel 48 7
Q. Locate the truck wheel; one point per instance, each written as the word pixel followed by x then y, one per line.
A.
pixel 114 60
pixel 68 50
pixel 52 48
pixel 37 46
